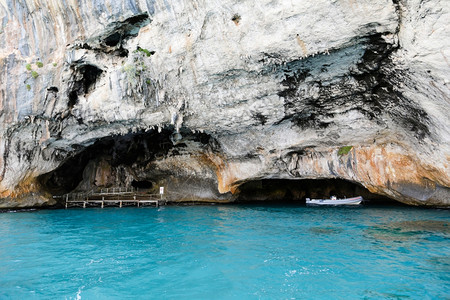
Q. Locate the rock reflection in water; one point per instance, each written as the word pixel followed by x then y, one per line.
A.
pixel 440 262
pixel 408 230
pixel 326 230
pixel 382 295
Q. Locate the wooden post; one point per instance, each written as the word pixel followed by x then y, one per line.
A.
pixel 120 204
pixel 66 204
pixel 84 204
pixel 102 204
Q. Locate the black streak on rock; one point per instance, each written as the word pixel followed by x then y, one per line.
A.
pixel 374 95
pixel 262 119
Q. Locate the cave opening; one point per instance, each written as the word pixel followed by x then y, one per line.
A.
pixel 138 20
pixel 86 76
pixel 120 31
pixel 129 161
pixel 90 75
pixel 113 39
pixel 295 191
pixel 117 161
pixel 73 99
pixel 142 184
pixel 106 157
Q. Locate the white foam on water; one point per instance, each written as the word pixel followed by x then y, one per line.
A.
pixel 78 295
pixel 94 261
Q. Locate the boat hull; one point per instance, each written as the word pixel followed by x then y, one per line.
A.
pixel 347 201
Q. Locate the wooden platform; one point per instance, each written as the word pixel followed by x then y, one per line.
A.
pixel 113 197
pixel 103 203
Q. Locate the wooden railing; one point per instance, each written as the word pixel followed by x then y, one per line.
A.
pixel 116 196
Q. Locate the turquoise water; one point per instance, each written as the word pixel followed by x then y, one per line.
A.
pixel 226 252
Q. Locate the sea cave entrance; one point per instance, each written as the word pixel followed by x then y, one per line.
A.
pixel 296 191
pixel 131 160
pixel 121 161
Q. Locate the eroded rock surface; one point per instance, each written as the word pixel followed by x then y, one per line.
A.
pixel 203 97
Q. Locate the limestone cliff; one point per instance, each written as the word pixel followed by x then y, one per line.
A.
pixel 206 96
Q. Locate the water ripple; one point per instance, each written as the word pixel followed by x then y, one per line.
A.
pixel 226 252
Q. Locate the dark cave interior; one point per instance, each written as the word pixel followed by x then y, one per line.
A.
pixel 135 150
pixel 122 150
pixel 296 191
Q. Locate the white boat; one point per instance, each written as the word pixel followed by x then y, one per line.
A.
pixel 335 201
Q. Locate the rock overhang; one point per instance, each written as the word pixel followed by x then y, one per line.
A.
pixel 262 88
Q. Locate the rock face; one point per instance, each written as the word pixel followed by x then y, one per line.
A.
pixel 208 98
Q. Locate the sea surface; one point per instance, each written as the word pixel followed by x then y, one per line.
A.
pixel 226 252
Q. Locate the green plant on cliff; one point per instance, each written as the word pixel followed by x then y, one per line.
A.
pixel 55 64
pixel 39 64
pixel 344 150
pixel 28 66
pixel 34 74
pixel 131 72
pixel 145 51
pixel 136 71
pixel 28 87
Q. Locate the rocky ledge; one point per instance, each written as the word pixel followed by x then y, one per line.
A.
pixel 222 101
